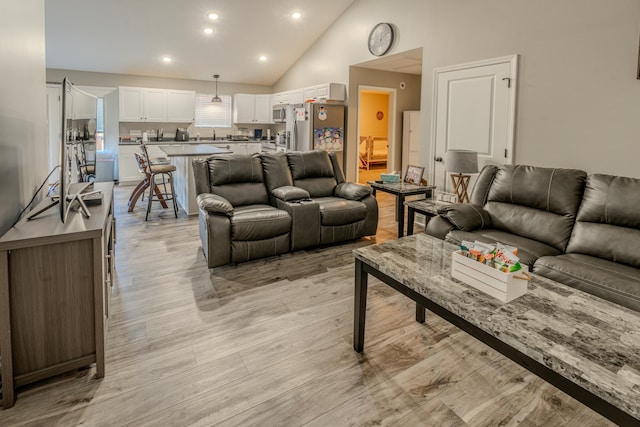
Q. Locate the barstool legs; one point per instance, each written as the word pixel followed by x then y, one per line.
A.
pixel 162 197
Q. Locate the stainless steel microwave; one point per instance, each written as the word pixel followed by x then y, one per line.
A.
pixel 279 113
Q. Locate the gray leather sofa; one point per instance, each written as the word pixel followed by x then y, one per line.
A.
pixel 583 231
pixel 255 206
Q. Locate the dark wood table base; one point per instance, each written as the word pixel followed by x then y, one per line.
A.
pixel 362 270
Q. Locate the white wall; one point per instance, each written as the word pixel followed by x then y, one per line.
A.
pixel 23 128
pixel 579 100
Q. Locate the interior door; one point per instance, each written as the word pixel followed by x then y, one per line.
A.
pixel 474 109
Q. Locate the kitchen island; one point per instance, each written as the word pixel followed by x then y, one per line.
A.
pixel 128 173
pixel 183 180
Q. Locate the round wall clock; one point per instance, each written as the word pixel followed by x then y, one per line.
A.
pixel 380 39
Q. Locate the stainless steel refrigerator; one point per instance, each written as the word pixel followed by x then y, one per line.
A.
pixel 316 127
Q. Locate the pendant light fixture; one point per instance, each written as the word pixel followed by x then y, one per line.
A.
pixel 216 99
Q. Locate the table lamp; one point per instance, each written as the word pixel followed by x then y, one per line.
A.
pixel 460 162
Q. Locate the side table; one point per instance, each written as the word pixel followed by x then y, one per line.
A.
pixel 401 190
pixel 426 207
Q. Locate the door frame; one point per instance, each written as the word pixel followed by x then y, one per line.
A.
pixel 391 131
pixel 511 119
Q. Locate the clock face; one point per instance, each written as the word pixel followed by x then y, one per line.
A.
pixel 380 39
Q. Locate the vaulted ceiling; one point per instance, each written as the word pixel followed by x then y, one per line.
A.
pixel 132 37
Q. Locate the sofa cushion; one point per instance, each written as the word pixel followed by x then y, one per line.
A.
pixel 609 280
pixel 234 169
pixel 276 170
pixel 258 222
pixel 481 187
pixel 608 222
pixel 337 211
pixel 310 164
pixel 537 203
pixel 313 171
pixel 238 178
pixel 528 250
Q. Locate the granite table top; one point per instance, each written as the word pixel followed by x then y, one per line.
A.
pixel 401 187
pixel 192 150
pixel 590 341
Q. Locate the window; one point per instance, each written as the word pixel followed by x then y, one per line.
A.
pixel 209 114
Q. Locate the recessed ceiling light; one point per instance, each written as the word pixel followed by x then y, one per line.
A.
pixel 212 16
pixel 296 15
pixel 208 30
pixel 262 58
pixel 166 59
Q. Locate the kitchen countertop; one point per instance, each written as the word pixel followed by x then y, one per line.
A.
pixel 192 150
pixel 191 142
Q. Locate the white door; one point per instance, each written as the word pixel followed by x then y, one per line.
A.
pixel 474 109
pixel 410 139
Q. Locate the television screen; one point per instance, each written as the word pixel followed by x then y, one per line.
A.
pixel 78 146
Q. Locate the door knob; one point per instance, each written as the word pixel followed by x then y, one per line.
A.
pixel 438 159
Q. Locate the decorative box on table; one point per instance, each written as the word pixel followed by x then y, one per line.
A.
pixel 390 177
pixel 503 286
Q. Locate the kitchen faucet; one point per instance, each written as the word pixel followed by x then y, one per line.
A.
pixel 214 134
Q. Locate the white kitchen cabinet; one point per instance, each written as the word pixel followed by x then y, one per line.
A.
pixel 280 98
pixel 296 96
pixel 253 147
pixel 309 93
pixel 139 104
pixel 248 108
pixel 331 91
pixel 181 106
pixel 83 106
pixel 130 101
pixel 154 105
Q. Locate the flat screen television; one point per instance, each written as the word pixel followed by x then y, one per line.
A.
pixel 79 114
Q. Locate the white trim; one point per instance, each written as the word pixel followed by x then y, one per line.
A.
pixel 511 126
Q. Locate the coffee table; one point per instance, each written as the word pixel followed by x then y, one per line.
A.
pixel 401 190
pixel 584 345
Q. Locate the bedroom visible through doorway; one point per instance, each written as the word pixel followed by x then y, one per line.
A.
pixel 376 117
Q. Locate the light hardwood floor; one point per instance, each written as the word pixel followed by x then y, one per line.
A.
pixel 269 343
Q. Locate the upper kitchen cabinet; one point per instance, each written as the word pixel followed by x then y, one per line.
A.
pixel 281 98
pixel 296 96
pixel 332 91
pixel 181 106
pixel 156 105
pixel 249 108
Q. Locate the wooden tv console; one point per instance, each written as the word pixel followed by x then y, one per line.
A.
pixel 55 283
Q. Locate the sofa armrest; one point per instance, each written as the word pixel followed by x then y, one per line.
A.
pixel 214 204
pixel 439 227
pixel 352 191
pixel 466 217
pixel 289 193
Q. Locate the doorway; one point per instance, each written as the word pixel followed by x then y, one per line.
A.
pixel 376 131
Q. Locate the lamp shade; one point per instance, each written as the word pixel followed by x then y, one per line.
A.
pixel 461 161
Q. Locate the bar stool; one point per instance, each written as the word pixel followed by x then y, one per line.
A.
pixel 142 186
pixel 166 173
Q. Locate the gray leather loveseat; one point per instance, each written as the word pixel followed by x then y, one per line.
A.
pixel 255 206
pixel 583 231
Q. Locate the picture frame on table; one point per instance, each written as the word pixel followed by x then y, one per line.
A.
pixel 413 175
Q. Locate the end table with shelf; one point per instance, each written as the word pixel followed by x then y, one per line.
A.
pixel 401 190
